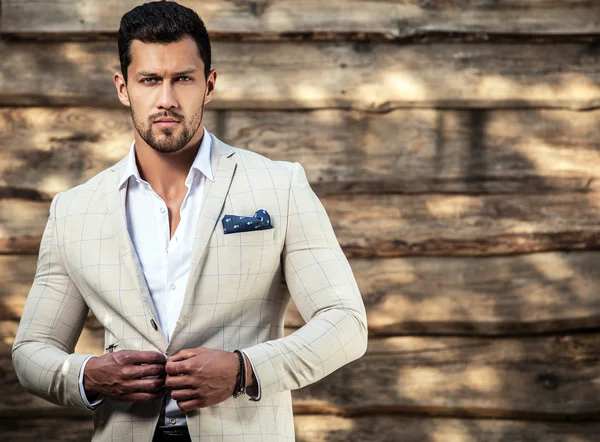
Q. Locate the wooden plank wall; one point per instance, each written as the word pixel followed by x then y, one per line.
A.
pixel 455 144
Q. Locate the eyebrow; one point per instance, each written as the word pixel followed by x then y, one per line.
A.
pixel 176 74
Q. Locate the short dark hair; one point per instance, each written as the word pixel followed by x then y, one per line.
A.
pixel 161 22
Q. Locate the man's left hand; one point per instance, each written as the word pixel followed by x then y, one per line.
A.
pixel 201 377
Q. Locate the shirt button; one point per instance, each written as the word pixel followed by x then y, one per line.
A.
pixel 172 421
pixel 162 210
pixel 172 286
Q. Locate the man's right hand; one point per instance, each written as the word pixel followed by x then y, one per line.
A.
pixel 119 376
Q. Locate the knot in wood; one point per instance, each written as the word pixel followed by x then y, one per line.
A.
pixel 548 380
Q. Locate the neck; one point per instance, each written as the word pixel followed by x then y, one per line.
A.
pixel 165 171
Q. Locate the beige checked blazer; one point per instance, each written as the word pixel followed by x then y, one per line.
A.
pixel 233 298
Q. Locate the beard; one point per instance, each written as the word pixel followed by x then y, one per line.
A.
pixel 168 140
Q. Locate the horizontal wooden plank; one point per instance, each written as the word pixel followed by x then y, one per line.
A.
pixel 319 428
pixel 35 427
pixel 276 19
pixel 370 76
pixel 407 225
pixel 538 293
pixel 422 151
pixel 392 225
pixel 398 428
pixel 551 378
pixel 46 150
pixel 524 378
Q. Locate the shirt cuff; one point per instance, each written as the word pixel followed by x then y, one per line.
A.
pixel 93 405
pixel 253 392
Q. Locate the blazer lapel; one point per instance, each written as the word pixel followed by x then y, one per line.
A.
pixel 223 163
pixel 116 211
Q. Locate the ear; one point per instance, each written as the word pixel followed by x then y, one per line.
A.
pixel 121 89
pixel 210 86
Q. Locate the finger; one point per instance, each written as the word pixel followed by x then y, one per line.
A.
pixel 140 371
pixel 179 381
pixel 190 405
pixel 139 397
pixel 185 395
pixel 143 386
pixel 148 357
pixel 176 368
pixel 186 353
pixel 154 370
pixel 135 357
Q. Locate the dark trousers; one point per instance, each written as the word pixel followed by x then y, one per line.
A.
pixel 171 434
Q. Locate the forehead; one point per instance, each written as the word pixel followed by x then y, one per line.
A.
pixel 170 57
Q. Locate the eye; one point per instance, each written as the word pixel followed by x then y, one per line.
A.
pixel 150 80
pixel 184 79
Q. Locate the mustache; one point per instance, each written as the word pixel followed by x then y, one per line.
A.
pixel 174 115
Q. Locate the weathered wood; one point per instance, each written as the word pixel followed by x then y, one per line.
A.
pixel 419 151
pixel 551 378
pixel 8 329
pixel 416 225
pixel 400 225
pixel 32 428
pixel 21 225
pixel 526 378
pixel 398 428
pixel 371 76
pixel 277 19
pixel 538 293
pixel 319 428
pixel 45 150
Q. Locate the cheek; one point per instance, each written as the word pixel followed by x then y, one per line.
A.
pixel 141 100
pixel 139 109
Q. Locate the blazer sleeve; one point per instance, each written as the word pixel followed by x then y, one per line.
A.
pixel 321 283
pixel 52 321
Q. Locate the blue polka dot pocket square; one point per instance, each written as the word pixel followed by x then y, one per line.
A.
pixel 238 224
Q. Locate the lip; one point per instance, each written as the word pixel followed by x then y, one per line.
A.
pixel 166 122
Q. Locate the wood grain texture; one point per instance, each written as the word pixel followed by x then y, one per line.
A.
pixel 551 378
pixel 44 151
pixel 406 225
pixel 429 151
pixel 297 75
pixel 389 225
pixel 319 428
pixel 280 18
pixel 35 428
pixel 515 295
pixel 399 428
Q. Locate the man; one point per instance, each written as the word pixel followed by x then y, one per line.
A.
pixel 179 251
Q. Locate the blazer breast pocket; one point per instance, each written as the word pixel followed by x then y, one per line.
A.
pixel 250 238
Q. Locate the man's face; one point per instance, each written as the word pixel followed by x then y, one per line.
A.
pixel 166 91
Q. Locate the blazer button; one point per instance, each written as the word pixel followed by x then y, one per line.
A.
pixel 153 323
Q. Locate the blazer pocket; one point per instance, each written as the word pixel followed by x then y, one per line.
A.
pixel 256 237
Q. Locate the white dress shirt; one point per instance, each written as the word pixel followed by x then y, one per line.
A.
pixel 165 261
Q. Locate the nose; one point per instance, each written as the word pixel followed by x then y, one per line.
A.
pixel 167 98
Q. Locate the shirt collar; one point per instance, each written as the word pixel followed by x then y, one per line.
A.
pixel 201 163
